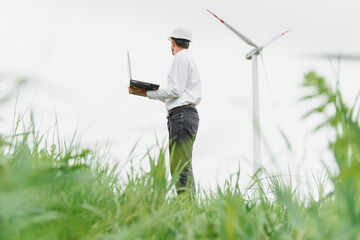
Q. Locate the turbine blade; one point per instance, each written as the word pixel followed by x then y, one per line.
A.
pixel 275 38
pixel 267 81
pixel 351 57
pixel 338 56
pixel 243 37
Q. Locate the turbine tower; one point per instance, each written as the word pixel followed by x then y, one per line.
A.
pixel 252 55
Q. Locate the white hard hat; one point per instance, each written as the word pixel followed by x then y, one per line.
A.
pixel 181 32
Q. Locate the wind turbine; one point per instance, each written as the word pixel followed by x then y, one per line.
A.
pixel 252 55
pixel 339 57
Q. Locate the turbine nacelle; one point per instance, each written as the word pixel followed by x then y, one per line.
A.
pixel 254 51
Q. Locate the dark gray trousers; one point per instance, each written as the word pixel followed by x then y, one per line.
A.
pixel 183 123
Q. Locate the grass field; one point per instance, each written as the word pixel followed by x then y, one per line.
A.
pixel 61 191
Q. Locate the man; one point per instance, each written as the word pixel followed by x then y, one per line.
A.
pixel 181 95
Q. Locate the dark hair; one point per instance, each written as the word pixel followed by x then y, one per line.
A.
pixel 183 43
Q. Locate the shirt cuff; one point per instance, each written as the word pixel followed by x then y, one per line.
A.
pixel 150 94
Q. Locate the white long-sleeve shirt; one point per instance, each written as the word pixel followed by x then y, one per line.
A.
pixel 183 83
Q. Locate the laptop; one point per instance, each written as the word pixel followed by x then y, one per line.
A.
pixel 140 84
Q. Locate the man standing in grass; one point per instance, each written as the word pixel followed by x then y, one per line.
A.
pixel 181 95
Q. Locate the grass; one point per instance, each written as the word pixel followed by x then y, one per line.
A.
pixel 61 191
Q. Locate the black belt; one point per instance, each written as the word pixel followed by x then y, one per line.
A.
pixel 179 107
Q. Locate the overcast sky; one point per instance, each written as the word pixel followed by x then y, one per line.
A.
pixel 74 55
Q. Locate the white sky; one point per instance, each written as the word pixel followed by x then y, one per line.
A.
pixel 74 54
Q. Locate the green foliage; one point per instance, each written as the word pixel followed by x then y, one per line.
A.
pixel 65 192
pixel 344 121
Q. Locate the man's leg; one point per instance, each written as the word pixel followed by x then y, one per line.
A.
pixel 183 126
pixel 180 160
